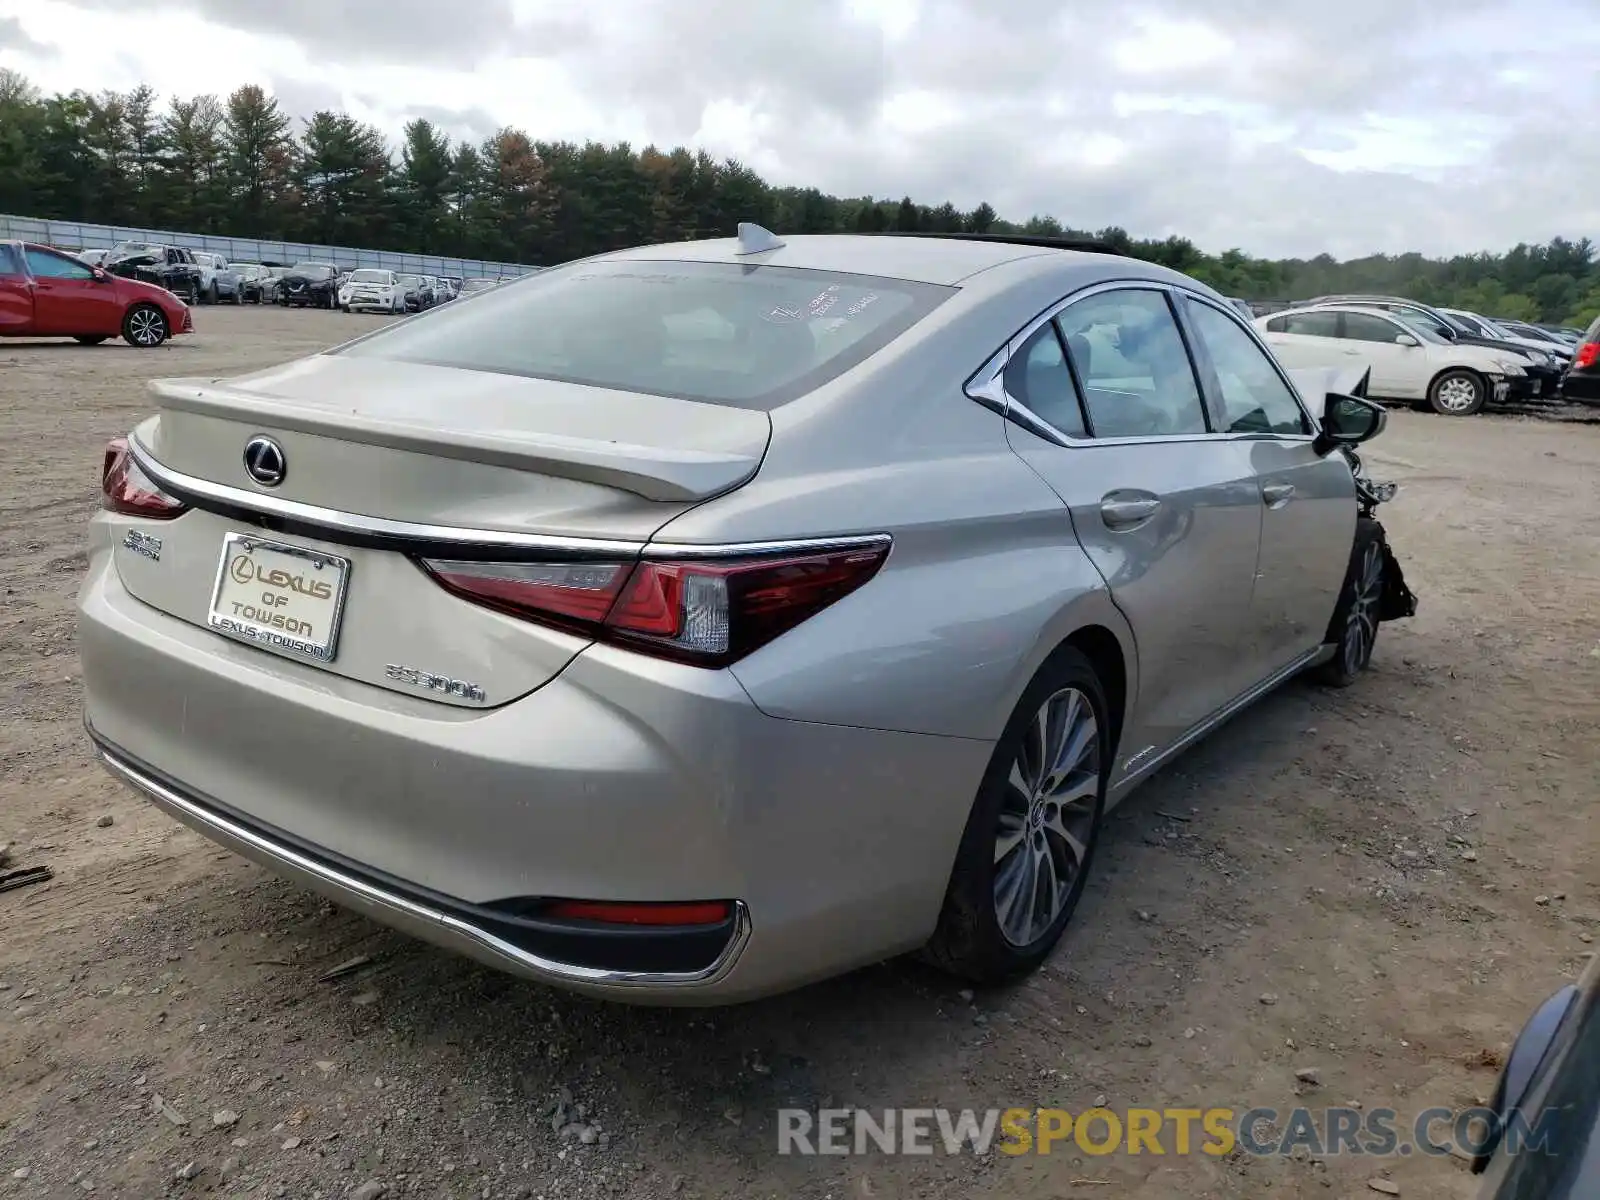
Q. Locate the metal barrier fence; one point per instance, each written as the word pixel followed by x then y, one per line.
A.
pixel 79 235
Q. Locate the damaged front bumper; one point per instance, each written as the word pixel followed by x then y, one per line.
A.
pixel 1398 600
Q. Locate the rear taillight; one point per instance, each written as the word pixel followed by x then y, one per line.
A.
pixel 127 489
pixel 1587 356
pixel 704 612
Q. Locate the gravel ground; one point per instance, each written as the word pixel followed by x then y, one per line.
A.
pixel 1372 887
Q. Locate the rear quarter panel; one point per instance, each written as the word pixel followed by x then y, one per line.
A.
pixel 985 578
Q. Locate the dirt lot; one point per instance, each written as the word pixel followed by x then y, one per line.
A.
pixel 1375 885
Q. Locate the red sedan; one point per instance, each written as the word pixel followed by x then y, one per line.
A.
pixel 45 293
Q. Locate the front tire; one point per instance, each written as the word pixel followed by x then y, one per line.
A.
pixel 1353 630
pixel 1030 838
pixel 145 326
pixel 1458 393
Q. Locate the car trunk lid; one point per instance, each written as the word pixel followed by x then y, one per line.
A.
pixel 383 461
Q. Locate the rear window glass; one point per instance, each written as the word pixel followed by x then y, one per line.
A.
pixel 723 333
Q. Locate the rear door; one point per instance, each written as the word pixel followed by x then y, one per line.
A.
pixel 1167 508
pixel 1308 508
pixel 67 298
pixel 1309 339
pixel 16 295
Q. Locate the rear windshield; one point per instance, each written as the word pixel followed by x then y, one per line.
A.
pixel 723 333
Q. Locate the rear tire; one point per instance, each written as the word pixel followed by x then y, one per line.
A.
pixel 1030 839
pixel 90 339
pixel 1458 393
pixel 145 326
pixel 1353 630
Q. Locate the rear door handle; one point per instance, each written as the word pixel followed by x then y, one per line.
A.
pixel 1123 513
pixel 1277 495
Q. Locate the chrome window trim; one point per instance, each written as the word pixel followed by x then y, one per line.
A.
pixel 986 386
pixel 336 522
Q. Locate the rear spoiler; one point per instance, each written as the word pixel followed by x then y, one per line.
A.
pixel 672 473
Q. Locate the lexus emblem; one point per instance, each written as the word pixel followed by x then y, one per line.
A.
pixel 263 461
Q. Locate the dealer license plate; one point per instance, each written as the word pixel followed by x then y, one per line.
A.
pixel 284 598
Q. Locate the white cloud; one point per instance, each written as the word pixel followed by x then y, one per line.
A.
pixel 1281 126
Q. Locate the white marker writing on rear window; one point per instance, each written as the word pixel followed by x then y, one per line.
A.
pixel 823 301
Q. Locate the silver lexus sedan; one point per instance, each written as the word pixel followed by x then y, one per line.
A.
pixel 688 623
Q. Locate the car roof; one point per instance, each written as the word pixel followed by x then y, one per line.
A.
pixel 1348 306
pixel 1329 306
pixel 935 260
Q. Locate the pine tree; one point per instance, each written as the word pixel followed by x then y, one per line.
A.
pixel 425 167
pixel 259 151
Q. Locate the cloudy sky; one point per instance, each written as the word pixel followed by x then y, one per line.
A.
pixel 1279 126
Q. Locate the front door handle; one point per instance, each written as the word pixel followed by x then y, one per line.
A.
pixel 1123 513
pixel 1277 495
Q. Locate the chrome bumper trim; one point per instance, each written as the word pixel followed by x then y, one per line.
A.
pixel 207 821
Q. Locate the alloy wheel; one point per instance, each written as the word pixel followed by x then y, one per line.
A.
pixel 1047 817
pixel 1458 394
pixel 1361 624
pixel 145 325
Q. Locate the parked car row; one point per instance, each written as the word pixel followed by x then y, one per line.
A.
pixel 1453 361
pixel 203 277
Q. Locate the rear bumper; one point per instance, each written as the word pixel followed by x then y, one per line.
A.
pixel 622 779
pixel 538 950
pixel 1582 386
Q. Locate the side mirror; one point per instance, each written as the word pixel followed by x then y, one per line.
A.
pixel 1447 333
pixel 1349 421
pixel 100 274
pixel 1405 339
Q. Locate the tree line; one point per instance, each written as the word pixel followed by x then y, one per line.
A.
pixel 238 166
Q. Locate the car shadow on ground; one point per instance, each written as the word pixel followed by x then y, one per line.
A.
pixel 28 346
